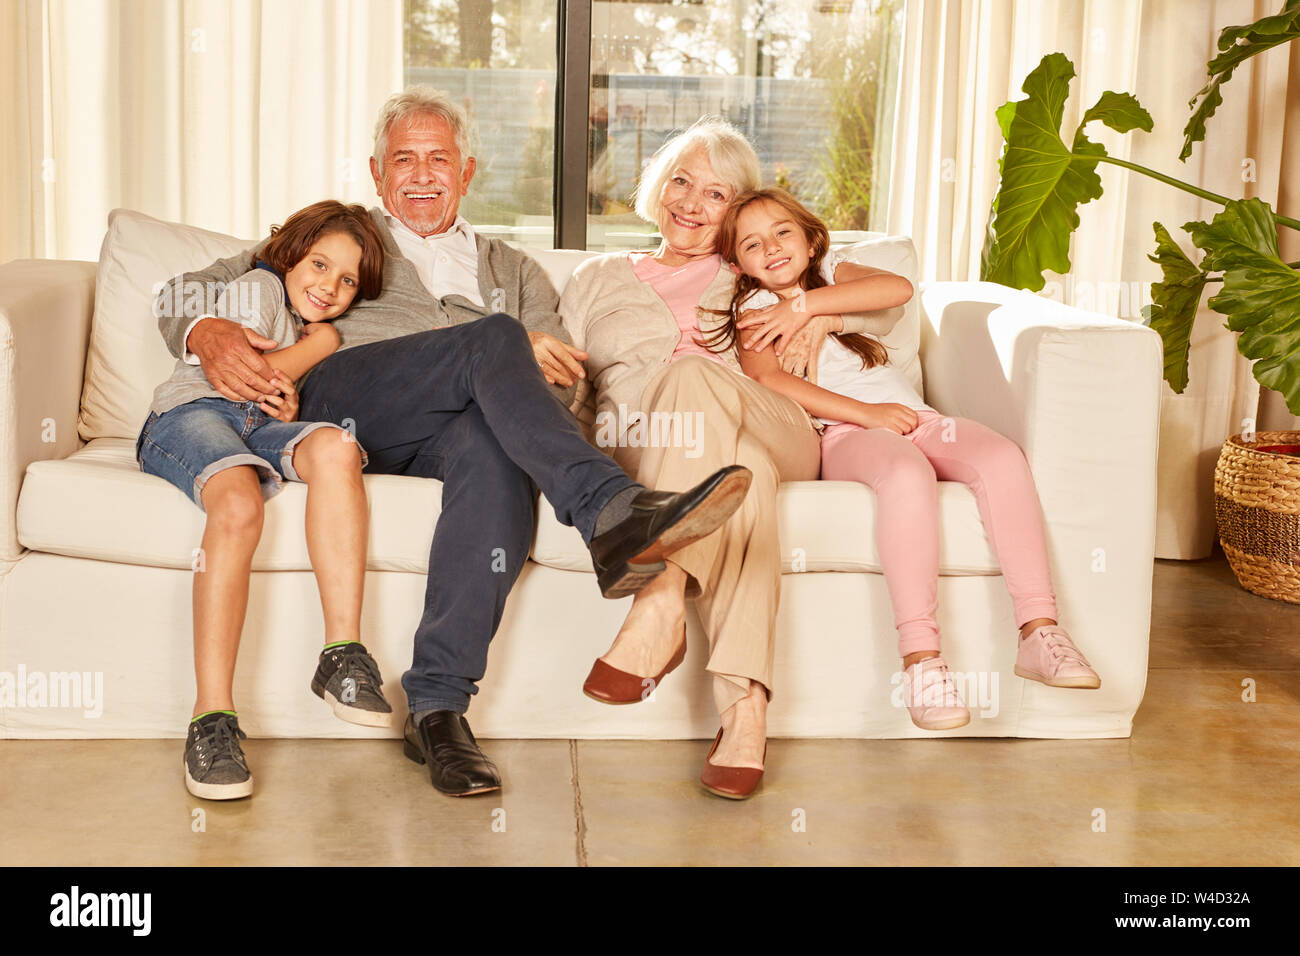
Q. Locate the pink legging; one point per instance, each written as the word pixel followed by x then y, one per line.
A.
pixel 904 470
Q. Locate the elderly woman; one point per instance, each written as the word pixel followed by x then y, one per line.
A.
pixel 638 317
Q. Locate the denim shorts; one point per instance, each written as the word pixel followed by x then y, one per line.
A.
pixel 190 443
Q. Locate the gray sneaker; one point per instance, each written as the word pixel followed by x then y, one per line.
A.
pixel 347 678
pixel 215 768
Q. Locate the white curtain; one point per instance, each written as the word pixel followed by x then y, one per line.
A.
pixel 224 114
pixel 960 61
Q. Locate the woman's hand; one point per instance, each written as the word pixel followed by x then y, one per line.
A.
pixel 800 357
pixel 285 405
pixel 897 418
pixel 560 363
pixel 774 325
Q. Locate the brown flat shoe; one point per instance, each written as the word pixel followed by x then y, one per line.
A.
pixel 609 685
pixel 734 783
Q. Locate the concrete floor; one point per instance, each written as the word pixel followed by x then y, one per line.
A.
pixel 1205 779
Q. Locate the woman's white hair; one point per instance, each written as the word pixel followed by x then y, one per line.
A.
pixel 420 101
pixel 730 155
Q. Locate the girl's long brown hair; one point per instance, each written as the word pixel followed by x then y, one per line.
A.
pixel 290 243
pixel 724 337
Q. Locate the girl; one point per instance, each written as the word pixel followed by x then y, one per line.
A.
pixel 880 432
pixel 229 457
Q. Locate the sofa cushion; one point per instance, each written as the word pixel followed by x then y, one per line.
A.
pixel 560 263
pixel 98 504
pixel 127 358
pixel 824 526
pixel 896 254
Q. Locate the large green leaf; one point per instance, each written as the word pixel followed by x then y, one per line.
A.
pixel 1043 181
pixel 1174 300
pixel 1236 45
pixel 1261 293
pixel 988 255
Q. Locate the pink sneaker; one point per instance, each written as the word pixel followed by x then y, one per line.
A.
pixel 932 698
pixel 1048 656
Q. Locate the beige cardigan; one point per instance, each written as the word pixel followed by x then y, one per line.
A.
pixel 630 333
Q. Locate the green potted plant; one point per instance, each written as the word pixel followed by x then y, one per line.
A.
pixel 1044 180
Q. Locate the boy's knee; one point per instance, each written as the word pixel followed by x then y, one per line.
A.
pixel 234 508
pixel 331 448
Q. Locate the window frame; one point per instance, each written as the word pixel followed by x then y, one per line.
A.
pixel 572 104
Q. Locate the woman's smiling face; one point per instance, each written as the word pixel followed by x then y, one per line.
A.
pixel 691 205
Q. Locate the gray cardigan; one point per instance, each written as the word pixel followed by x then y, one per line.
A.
pixel 509 281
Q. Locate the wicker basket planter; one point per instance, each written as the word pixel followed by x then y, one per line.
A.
pixel 1257 506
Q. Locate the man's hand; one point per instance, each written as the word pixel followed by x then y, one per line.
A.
pixel 560 363
pixel 231 360
pixel 800 356
pixel 283 406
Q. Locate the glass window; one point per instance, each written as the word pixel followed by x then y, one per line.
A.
pixel 807 81
pixel 802 79
pixel 497 58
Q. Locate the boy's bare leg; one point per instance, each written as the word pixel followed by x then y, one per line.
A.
pixel 329 461
pixel 233 502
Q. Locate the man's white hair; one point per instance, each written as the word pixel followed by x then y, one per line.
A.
pixel 420 101
pixel 730 155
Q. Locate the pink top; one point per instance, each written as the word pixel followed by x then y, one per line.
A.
pixel 681 288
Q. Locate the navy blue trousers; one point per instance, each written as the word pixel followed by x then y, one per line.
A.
pixel 469 406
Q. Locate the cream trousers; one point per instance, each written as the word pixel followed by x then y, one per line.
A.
pixel 727 419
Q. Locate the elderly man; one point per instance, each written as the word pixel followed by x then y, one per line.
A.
pixel 438 381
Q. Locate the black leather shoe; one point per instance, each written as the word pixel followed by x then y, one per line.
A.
pixel 456 765
pixel 631 554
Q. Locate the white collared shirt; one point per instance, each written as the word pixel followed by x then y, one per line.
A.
pixel 447 263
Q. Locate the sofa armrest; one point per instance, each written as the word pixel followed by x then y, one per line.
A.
pixel 45 311
pixel 1080 393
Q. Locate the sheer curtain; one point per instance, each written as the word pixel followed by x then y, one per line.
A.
pixel 226 114
pixel 962 60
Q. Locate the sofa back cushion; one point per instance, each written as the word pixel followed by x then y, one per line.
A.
pixel 896 254
pixel 127 358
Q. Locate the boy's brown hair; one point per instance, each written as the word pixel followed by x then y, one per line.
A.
pixel 290 243
pixel 869 349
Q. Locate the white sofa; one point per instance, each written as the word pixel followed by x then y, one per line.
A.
pixel 95 557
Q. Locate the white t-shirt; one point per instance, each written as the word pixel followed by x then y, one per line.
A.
pixel 839 368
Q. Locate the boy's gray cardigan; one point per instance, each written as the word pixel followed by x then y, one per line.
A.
pixel 509 281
